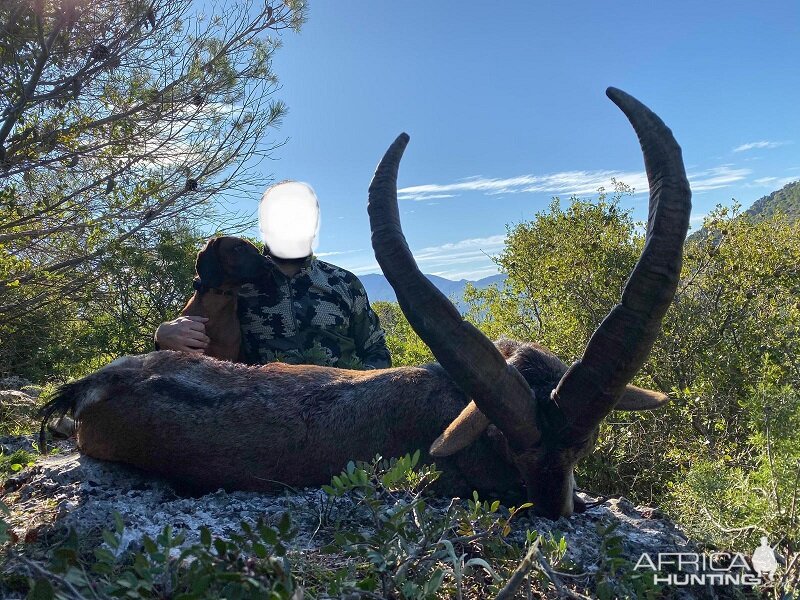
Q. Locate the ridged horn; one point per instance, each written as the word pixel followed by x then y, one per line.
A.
pixel 589 390
pixel 466 354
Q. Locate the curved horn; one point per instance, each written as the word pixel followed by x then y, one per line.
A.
pixel 465 353
pixel 471 422
pixel 465 429
pixel 591 387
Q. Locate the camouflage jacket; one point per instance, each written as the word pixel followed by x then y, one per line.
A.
pixel 320 316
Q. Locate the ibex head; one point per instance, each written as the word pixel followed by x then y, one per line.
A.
pixel 547 432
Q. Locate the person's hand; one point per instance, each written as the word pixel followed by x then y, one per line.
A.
pixel 186 334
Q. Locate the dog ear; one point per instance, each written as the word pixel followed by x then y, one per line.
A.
pixel 208 267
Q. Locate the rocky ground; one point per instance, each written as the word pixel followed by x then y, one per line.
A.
pixel 69 490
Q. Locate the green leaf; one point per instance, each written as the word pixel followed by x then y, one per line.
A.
pixel 268 534
pixel 104 555
pixel 119 525
pixel 42 590
pixel 285 524
pixel 110 539
pixel 149 545
pixel 205 537
pixel 220 546
pixel 260 550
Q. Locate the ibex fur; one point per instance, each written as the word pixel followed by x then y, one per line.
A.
pixel 210 424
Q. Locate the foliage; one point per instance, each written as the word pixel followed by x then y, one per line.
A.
pixel 413 550
pixel 250 564
pixel 116 121
pixel 388 540
pixel 565 271
pixel 14 462
pixel 785 201
pixel 616 577
pixel 133 290
pixel 727 355
pixel 405 346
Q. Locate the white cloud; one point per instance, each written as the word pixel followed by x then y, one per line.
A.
pixel 567 182
pixel 717 177
pixel 759 145
pixel 773 182
pixel 493 241
pixel 579 183
pixel 322 254
pixel 452 260
pixel 419 197
pixel 363 269
pixel 471 275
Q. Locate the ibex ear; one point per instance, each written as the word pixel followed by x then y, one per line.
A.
pixel 208 266
pixel 636 398
pixel 465 429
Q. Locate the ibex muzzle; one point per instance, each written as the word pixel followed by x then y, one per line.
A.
pixel 211 424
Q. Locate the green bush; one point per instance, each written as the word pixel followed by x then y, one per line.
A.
pixel 250 564
pixel 724 454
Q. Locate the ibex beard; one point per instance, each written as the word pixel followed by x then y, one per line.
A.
pixel 515 419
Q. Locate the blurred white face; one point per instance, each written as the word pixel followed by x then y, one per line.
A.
pixel 288 218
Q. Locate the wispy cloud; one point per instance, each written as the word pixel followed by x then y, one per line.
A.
pixel 773 182
pixel 323 254
pixel 759 145
pixel 567 182
pixel 470 274
pixel 579 183
pixel 717 177
pixel 468 258
pixel 420 197
pixel 493 241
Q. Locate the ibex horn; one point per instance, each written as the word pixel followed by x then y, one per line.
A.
pixel 591 387
pixel 466 354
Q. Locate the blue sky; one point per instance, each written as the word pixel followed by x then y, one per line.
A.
pixel 506 108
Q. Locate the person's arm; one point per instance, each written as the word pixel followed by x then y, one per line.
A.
pixel 367 333
pixel 185 334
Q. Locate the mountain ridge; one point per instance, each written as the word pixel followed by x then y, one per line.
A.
pixel 378 288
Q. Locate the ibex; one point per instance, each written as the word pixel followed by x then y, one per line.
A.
pixel 223 265
pixel 212 424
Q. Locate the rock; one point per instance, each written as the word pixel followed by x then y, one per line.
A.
pixel 75 491
pixel 11 443
pixel 63 428
pixel 16 398
pixel 17 409
pixel 14 382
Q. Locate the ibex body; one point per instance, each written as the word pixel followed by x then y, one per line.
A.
pixel 213 424
pixel 209 424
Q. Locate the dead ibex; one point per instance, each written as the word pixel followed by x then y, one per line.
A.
pixel 223 265
pixel 211 424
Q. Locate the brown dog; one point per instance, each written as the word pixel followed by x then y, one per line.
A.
pixel 223 265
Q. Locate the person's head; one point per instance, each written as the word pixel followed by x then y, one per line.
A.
pixel 288 217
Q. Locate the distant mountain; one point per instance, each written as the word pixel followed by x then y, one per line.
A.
pixel 785 200
pixel 378 287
